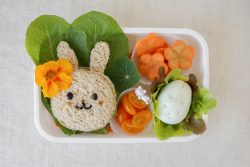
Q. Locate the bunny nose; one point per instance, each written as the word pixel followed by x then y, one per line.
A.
pixel 83 106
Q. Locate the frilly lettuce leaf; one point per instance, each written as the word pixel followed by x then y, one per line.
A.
pixel 175 74
pixel 163 131
pixel 155 107
pixel 202 101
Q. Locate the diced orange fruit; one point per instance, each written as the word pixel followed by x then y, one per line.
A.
pixel 129 128
pixel 139 104
pixel 129 108
pixel 141 118
pixel 132 114
pixel 122 115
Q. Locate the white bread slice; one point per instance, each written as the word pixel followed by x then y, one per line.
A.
pixel 64 51
pixel 85 83
pixel 99 57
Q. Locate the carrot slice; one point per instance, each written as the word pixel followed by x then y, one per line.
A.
pixel 179 55
pixel 143 69
pixel 149 44
pixel 179 43
pixel 146 58
pixel 157 58
pixel 161 50
pixel 152 74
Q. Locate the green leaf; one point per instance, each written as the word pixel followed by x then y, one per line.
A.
pixel 102 130
pixel 211 103
pixel 46 103
pixel 159 87
pixel 43 36
pixel 175 74
pixel 67 131
pixel 202 102
pixel 123 74
pixel 155 107
pixel 162 130
pixel 92 27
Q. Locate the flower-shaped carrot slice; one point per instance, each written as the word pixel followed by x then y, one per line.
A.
pixel 179 55
pixel 149 65
pixel 161 50
pixel 149 44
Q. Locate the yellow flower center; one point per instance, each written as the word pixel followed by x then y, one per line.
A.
pixel 50 74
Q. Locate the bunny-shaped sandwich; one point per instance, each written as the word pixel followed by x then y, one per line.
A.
pixel 90 101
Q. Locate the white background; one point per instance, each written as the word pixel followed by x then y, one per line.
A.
pixel 225 24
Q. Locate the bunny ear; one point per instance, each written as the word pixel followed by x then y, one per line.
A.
pixel 64 51
pixel 99 57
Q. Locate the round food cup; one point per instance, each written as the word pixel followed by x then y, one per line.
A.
pixel 117 128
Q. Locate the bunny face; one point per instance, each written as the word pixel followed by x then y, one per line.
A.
pixel 90 101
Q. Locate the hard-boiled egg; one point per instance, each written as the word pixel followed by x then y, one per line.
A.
pixel 174 102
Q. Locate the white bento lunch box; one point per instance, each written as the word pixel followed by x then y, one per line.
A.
pixel 47 128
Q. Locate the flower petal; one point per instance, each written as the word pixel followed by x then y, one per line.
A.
pixel 50 89
pixel 65 66
pixel 40 75
pixel 63 81
pixel 51 65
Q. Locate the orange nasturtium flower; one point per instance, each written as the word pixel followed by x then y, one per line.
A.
pixel 54 76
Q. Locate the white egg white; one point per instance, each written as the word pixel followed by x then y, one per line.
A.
pixel 174 102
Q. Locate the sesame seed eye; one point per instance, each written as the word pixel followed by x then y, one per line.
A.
pixel 70 95
pixel 94 96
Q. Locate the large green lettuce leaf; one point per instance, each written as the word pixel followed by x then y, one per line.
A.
pixel 43 36
pixel 202 102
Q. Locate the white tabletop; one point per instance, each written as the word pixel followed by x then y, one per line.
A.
pixel 225 25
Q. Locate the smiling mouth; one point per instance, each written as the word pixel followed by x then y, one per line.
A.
pixel 83 106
